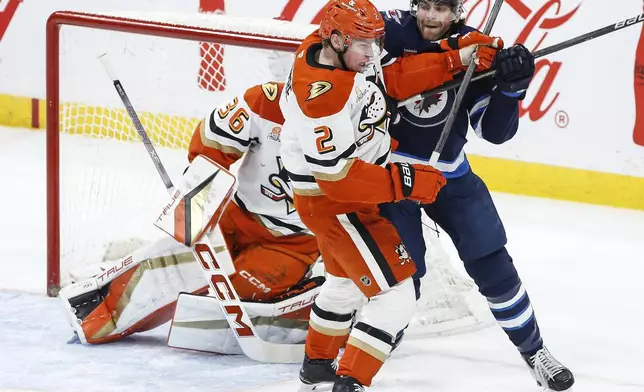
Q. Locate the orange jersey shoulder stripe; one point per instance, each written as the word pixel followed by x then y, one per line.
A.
pixel 320 90
pixel 225 156
pixel 263 100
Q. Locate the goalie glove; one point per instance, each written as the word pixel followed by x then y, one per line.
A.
pixel 195 207
pixel 415 182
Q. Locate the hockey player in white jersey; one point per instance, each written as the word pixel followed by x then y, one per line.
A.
pixel 268 248
pixel 336 148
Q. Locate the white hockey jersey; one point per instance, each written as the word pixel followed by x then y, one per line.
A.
pixel 249 125
pixel 335 140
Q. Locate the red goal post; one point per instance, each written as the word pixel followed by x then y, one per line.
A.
pixel 274 39
pixel 102 189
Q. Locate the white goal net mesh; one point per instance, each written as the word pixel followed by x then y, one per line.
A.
pixel 110 192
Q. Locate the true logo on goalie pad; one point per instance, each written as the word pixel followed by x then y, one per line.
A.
pixel 114 270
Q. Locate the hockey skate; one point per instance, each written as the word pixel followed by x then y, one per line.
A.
pixel 347 384
pixel 317 374
pixel 550 374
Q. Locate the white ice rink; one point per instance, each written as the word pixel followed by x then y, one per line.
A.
pixel 583 267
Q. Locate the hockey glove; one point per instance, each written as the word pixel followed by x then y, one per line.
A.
pixel 415 182
pixel 515 69
pixel 474 46
pixel 469 39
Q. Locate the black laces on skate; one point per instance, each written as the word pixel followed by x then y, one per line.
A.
pixel 548 363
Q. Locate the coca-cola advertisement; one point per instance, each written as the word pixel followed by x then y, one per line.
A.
pixel 638 84
pixel 584 102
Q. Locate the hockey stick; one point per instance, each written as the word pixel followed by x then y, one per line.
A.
pixel 237 317
pixel 137 124
pixel 537 54
pixel 451 118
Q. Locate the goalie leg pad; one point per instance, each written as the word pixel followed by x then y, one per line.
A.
pixel 264 272
pixel 199 324
pixel 135 294
pixel 266 265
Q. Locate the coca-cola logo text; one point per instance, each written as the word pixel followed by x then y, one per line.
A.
pixel 7 11
pixel 538 22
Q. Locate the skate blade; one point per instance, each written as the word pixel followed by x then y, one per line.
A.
pixel 571 389
pixel 74 339
pixel 321 387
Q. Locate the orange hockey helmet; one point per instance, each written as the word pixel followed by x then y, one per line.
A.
pixel 353 19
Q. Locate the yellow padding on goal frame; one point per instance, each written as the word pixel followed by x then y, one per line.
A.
pixel 501 175
pixel 164 130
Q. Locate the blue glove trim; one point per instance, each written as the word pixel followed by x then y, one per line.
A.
pixel 513 95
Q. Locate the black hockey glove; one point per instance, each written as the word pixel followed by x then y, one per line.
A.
pixel 514 70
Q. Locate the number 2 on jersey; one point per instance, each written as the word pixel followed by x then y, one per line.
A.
pixel 323 141
pixel 236 122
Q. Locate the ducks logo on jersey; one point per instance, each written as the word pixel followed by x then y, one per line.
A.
pixel 375 113
pixel 318 88
pixel 280 181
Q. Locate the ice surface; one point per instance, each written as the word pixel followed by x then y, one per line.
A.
pixel 582 265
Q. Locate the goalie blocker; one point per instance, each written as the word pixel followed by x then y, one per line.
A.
pixel 139 292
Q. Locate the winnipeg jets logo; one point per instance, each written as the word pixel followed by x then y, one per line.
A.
pixel 430 104
pixel 280 181
pixel 402 253
pixel 375 114
pixel 318 88
pixel 430 111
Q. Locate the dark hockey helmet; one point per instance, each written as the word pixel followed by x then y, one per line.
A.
pixel 455 5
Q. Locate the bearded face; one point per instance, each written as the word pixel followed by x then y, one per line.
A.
pixel 434 19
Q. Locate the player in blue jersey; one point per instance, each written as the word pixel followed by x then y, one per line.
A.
pixel 464 208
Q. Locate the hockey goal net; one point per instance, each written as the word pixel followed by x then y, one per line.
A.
pixel 103 190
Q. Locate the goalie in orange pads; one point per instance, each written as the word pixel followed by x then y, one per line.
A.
pixel 336 148
pixel 269 249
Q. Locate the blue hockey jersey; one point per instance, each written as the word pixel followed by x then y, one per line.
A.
pixel 492 115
